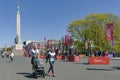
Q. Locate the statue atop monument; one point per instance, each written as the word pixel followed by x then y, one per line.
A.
pixel 18 46
pixel 18 38
pixel 18 7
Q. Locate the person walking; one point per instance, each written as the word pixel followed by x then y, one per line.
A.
pixel 11 56
pixel 3 54
pixel 50 57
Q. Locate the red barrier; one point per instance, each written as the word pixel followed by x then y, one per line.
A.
pixel 57 57
pixel 74 58
pixel 69 58
pixel 98 60
pixel 62 57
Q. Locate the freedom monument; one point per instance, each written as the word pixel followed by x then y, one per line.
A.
pixel 18 46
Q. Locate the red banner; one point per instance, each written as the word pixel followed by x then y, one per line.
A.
pixel 67 40
pixel 48 43
pixel 109 31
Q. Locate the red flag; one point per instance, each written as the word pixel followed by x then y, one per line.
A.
pixel 109 31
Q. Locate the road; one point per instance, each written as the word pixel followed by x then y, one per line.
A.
pixel 20 69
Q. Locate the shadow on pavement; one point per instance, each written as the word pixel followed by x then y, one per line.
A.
pixel 116 67
pixel 28 75
pixel 99 69
pixel 82 63
pixel 74 62
pixel 9 61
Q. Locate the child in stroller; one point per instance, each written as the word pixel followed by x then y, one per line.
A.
pixel 39 68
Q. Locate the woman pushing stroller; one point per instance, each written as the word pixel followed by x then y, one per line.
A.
pixel 34 56
pixel 37 63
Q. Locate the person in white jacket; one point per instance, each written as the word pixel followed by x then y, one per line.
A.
pixel 51 58
pixel 11 56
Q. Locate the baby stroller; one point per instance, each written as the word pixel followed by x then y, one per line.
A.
pixel 39 68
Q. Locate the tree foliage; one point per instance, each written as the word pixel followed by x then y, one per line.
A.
pixel 93 28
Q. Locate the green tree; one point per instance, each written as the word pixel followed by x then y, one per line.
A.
pixel 79 45
pixel 9 49
pixel 116 41
pixel 77 29
pixel 93 28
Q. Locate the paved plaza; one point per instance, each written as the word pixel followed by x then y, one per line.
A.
pixel 20 69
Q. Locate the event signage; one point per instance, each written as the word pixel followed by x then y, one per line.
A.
pixel 109 31
pixel 98 60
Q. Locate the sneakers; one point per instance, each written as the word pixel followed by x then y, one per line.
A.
pixel 48 73
pixel 53 75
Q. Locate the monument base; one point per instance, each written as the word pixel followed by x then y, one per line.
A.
pixel 18 49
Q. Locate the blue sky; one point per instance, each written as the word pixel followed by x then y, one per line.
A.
pixel 47 18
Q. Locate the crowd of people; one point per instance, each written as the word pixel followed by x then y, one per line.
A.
pixel 100 53
pixel 103 53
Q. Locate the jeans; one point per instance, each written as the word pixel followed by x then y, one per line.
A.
pixel 51 66
pixel 11 58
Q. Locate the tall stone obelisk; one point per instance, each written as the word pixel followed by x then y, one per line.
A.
pixel 18 38
pixel 18 47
